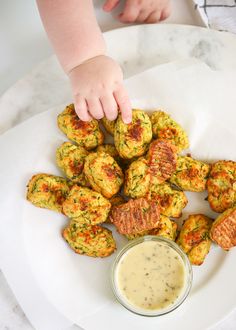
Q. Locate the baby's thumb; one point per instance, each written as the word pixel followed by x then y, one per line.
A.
pixel 109 5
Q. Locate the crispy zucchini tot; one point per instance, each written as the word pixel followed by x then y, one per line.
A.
pixel 162 158
pixel 221 186
pixel 223 230
pixel 110 149
pixel 190 174
pixel 115 200
pixel 137 179
pixel 70 159
pixel 48 191
pixel 198 253
pixel 194 238
pixel 135 216
pixel 103 173
pixel 109 125
pixel 164 127
pixel 170 201
pixel 166 228
pixel 86 134
pixel 131 140
pixel 140 234
pixel 93 241
pixel 86 206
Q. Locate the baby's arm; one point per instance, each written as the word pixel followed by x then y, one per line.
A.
pixel 97 80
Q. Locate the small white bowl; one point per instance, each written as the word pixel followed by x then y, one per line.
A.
pixel 151 312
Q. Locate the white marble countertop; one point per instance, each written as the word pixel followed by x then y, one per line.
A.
pixel 24 48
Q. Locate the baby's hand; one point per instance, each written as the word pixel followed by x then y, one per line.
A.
pixel 98 90
pixel 141 11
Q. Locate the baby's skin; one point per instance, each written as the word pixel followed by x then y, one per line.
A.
pixel 96 79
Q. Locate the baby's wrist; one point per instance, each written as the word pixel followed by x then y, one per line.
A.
pixel 85 62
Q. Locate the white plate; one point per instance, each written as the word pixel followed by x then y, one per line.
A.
pixel 78 286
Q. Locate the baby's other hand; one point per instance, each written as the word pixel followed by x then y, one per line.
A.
pixel 141 11
pixel 98 90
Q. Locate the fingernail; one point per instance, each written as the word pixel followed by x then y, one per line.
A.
pixel 127 120
pixel 86 118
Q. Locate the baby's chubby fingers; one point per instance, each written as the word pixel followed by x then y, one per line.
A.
pixel 98 88
pixel 165 13
pixel 143 15
pixel 124 104
pixel 95 107
pixel 154 17
pixel 109 5
pixel 130 13
pixel 81 108
pixel 109 106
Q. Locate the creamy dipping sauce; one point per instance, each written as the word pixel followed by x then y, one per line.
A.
pixel 151 276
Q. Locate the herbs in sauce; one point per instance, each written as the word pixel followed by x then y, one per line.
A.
pixel 151 276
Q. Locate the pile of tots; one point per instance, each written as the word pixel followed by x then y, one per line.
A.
pixel 144 162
